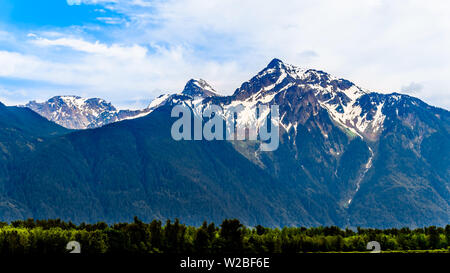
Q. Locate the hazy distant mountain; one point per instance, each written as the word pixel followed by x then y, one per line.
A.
pixel 347 157
pixel 80 113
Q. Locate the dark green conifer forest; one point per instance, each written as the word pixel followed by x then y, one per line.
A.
pixel 230 237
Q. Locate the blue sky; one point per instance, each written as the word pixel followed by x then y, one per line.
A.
pixel 129 52
pixel 26 13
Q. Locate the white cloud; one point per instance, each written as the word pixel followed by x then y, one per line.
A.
pixel 412 88
pixel 5 35
pixel 118 73
pixel 73 2
pixel 142 3
pixel 9 97
pixel 126 52
pixel 379 44
pixel 112 20
pixel 89 2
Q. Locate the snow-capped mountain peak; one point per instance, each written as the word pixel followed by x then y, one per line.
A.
pixel 299 92
pixel 199 88
pixel 284 68
pixel 279 76
pixel 339 97
pixel 290 87
pixel 75 112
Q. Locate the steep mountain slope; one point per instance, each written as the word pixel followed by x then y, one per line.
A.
pixel 80 113
pixel 135 168
pixel 390 168
pixel 410 178
pixel 346 157
pixel 21 130
pixel 343 142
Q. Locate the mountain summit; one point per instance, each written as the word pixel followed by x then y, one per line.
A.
pixel 199 88
pixel 347 157
pixel 74 112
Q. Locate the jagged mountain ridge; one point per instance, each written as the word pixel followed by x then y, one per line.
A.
pixel 353 108
pixel 338 96
pixel 74 112
pixel 352 126
pixel 347 157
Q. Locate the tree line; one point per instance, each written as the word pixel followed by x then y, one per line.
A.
pixel 51 237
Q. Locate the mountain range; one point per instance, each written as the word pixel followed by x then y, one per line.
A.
pixel 74 112
pixel 347 157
